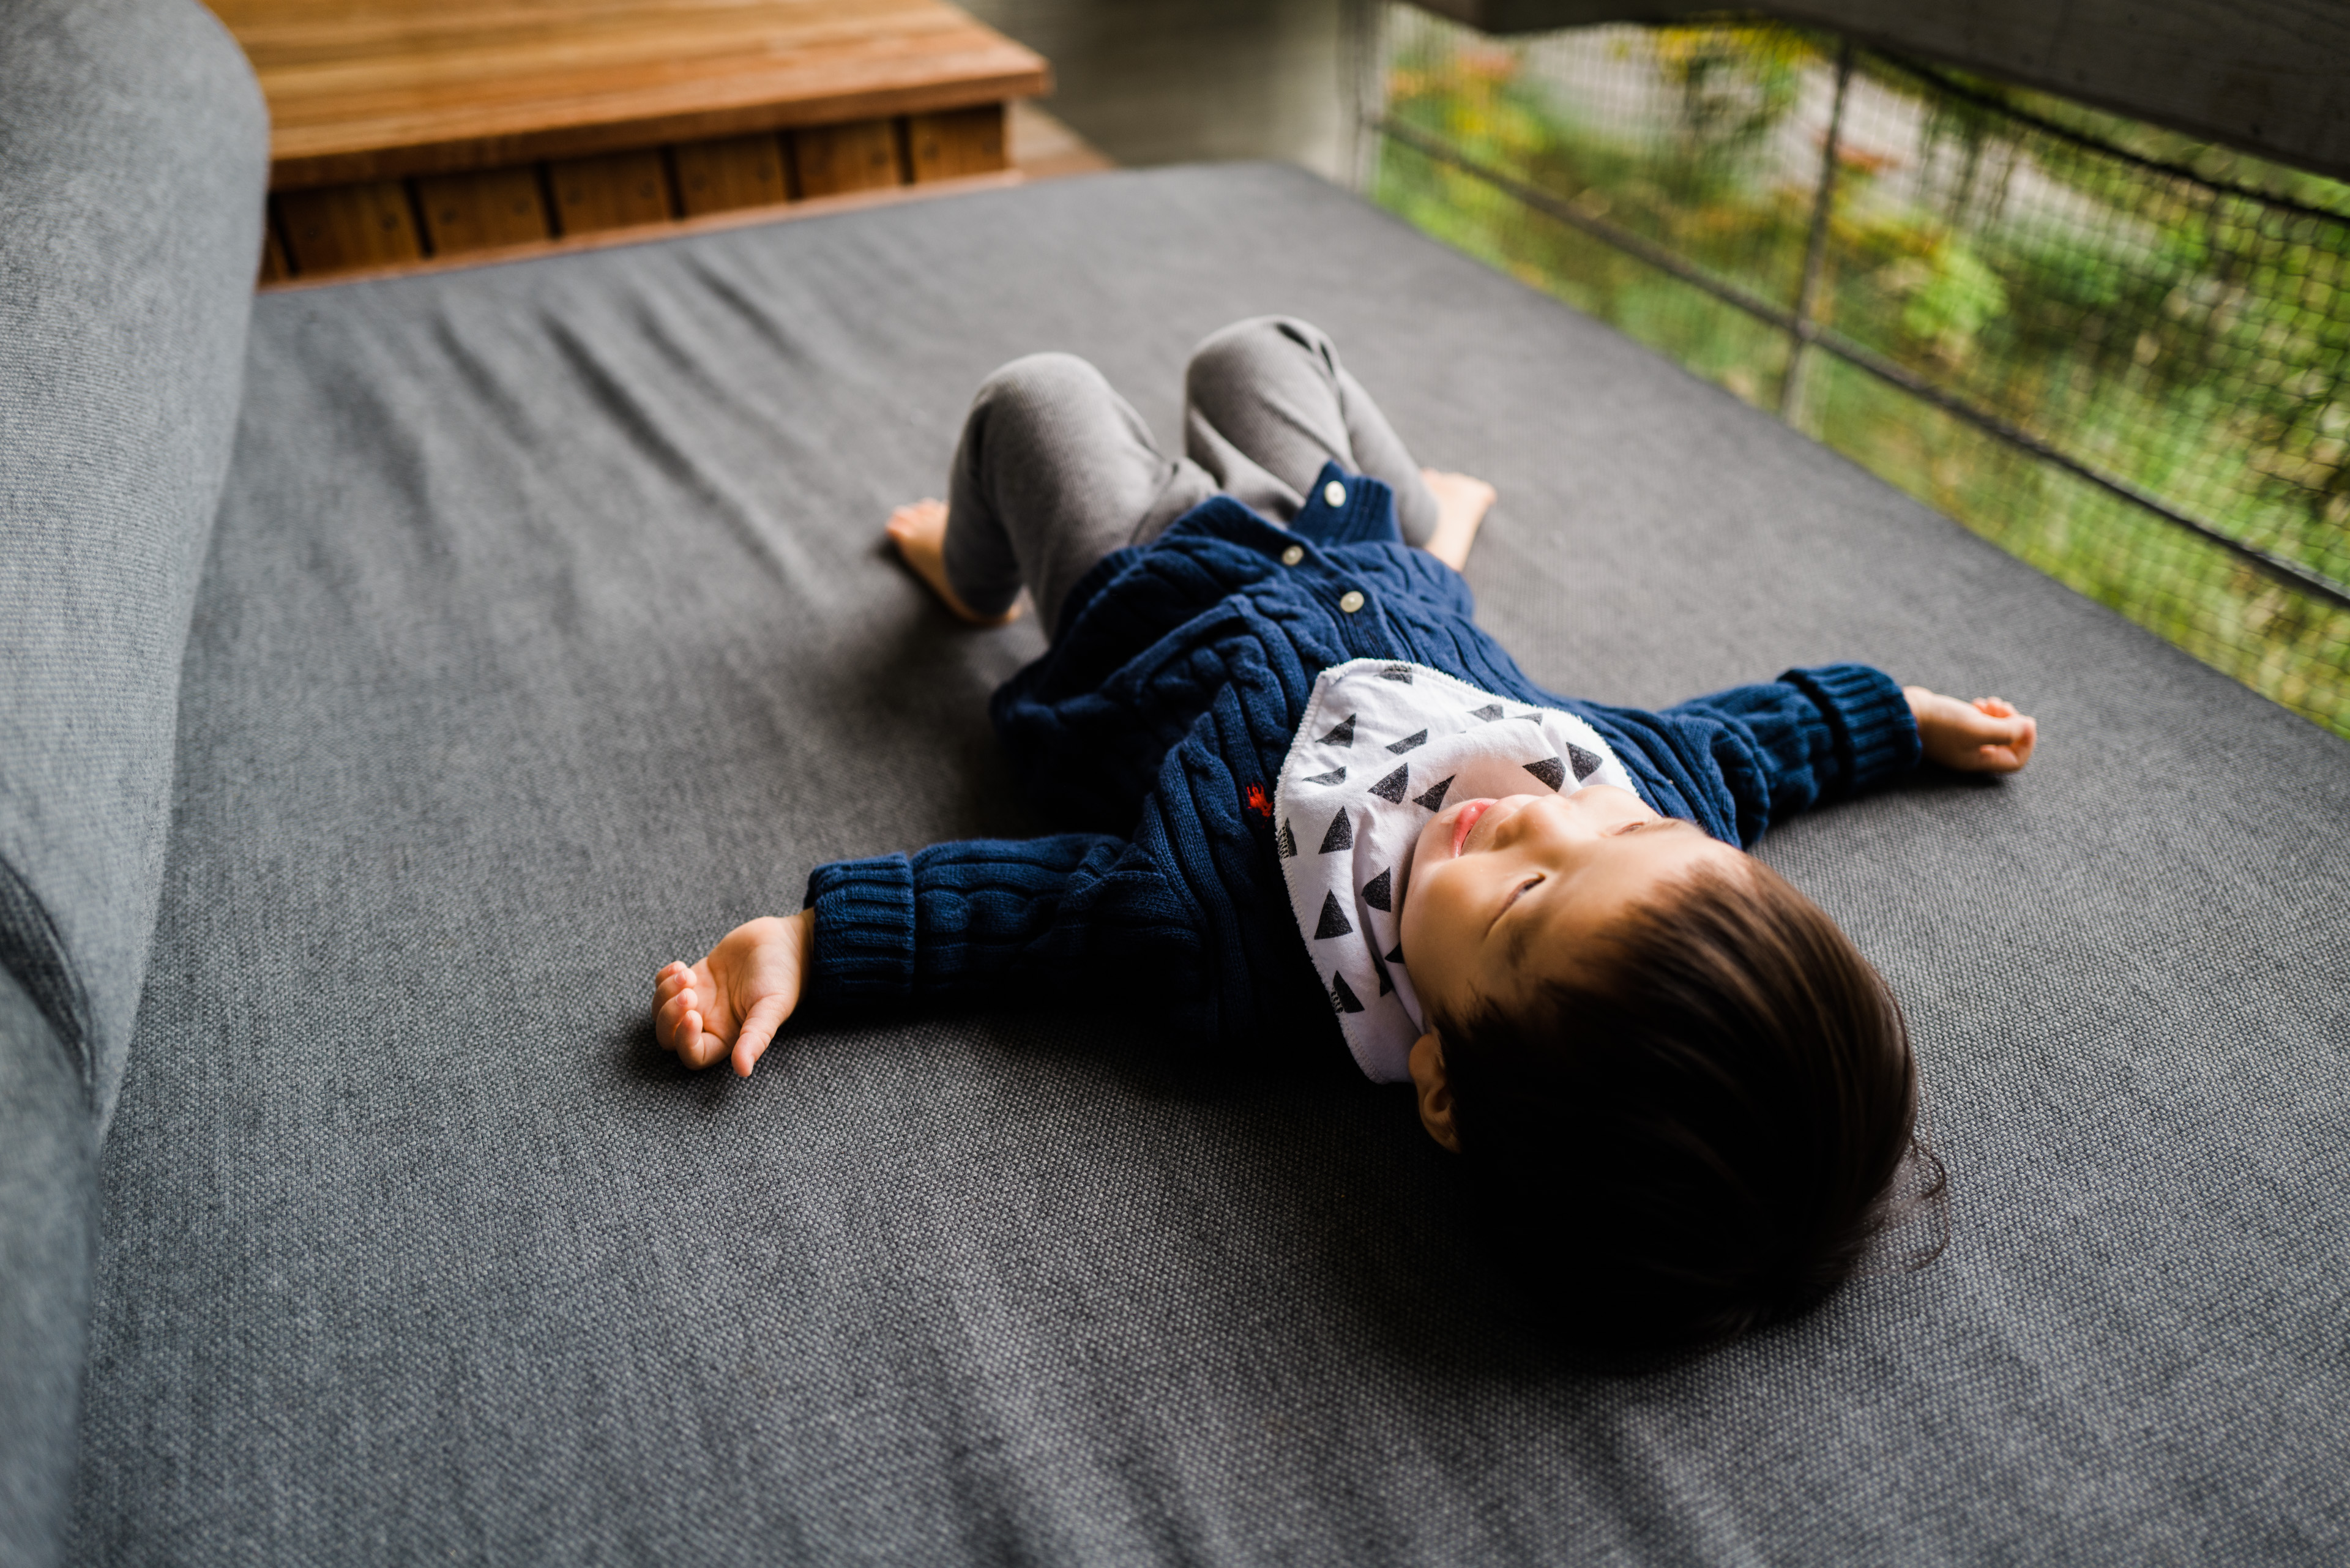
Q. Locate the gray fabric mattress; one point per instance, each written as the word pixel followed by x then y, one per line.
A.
pixel 545 634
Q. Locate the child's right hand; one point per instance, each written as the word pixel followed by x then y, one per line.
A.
pixel 736 998
pixel 1984 736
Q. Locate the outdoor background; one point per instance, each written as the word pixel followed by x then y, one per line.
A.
pixel 2119 354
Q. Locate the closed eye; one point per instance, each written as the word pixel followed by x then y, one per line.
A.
pixel 1515 894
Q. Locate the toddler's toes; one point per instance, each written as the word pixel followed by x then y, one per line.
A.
pixel 918 532
pixel 919 526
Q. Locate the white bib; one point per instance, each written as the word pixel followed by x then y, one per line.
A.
pixel 1382 748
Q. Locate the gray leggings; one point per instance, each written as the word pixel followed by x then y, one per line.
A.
pixel 1056 470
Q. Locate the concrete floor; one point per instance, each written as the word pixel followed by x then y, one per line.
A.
pixel 1170 81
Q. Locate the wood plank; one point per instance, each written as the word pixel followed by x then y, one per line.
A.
pixel 830 159
pixel 361 88
pixel 621 190
pixel 273 266
pixel 477 211
pixel 716 223
pixel 959 141
pixel 346 226
pixel 720 176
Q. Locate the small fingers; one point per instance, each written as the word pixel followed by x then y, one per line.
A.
pixel 2012 729
pixel 669 1018
pixel 2011 751
pixel 758 1030
pixel 679 1026
pixel 1985 728
pixel 699 1048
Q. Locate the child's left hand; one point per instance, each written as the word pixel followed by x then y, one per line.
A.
pixel 1985 736
pixel 736 998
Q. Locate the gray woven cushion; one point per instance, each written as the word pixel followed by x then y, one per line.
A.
pixel 132 147
pixel 132 160
pixel 47 1192
pixel 547 634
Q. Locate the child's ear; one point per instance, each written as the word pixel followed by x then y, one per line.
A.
pixel 1435 1090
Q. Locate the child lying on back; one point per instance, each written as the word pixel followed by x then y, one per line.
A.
pixel 1317 800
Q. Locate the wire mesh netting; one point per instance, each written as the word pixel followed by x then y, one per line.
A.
pixel 2122 356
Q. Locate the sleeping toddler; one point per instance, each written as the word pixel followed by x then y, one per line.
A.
pixel 1310 800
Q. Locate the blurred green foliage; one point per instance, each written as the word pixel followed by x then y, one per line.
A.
pixel 2190 339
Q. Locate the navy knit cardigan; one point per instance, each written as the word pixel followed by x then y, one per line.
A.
pixel 1159 721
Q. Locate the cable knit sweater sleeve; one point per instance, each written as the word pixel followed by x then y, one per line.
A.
pixel 988 916
pixel 1780 746
pixel 1174 911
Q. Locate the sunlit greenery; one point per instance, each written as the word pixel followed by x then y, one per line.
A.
pixel 2191 340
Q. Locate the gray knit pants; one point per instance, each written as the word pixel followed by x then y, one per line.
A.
pixel 1056 470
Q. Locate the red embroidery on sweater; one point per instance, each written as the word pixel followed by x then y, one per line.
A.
pixel 1257 803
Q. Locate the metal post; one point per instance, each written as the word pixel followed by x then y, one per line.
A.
pixel 1362 54
pixel 1815 248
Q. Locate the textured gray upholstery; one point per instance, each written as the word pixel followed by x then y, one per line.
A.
pixel 132 162
pixel 132 158
pixel 546 635
pixel 47 1191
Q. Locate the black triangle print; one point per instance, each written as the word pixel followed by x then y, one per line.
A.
pixel 1531 717
pixel 1400 673
pixel 1287 841
pixel 1434 799
pixel 1397 956
pixel 1377 892
pixel 1336 776
pixel 1340 997
pixel 1344 735
pixel 1386 985
pixel 1550 770
pixel 1408 743
pixel 1586 765
pixel 1392 786
pixel 1340 836
pixel 1487 714
pixel 1333 920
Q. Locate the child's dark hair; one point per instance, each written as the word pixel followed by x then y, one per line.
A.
pixel 1696 1130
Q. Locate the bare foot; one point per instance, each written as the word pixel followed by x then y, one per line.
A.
pixel 1461 503
pixel 918 529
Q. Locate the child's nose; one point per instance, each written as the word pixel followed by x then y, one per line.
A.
pixel 1547 816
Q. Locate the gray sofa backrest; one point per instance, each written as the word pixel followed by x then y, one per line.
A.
pixel 133 159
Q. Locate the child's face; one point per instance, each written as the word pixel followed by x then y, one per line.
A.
pixel 1505 891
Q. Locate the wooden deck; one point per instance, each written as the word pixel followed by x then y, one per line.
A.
pixel 403 130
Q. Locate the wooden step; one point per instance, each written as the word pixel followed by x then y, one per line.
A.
pixel 437 128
